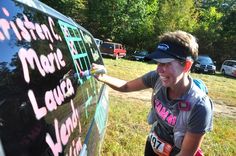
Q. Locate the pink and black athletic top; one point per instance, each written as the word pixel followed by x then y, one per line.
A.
pixel 193 112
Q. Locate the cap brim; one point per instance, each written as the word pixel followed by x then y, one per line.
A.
pixel 160 57
pixel 164 60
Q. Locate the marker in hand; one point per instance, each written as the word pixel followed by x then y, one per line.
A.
pixel 93 72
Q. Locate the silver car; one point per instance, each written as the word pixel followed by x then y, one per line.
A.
pixel 229 68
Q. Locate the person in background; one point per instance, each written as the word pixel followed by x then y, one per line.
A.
pixel 183 113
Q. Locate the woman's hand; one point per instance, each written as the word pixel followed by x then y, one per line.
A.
pixel 190 144
pixel 116 83
pixel 100 76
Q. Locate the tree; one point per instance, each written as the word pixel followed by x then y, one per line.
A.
pixel 209 26
pixel 73 8
pixel 176 14
pixel 217 31
pixel 137 23
pixel 226 45
pixel 129 22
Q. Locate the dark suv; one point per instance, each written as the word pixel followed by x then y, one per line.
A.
pixel 139 55
pixel 46 107
pixel 204 64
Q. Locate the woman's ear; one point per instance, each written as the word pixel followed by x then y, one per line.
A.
pixel 188 65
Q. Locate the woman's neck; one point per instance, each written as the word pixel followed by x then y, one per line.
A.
pixel 179 89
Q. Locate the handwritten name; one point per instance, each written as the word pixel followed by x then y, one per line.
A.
pixel 27 30
pixel 64 132
pixel 52 98
pixel 45 64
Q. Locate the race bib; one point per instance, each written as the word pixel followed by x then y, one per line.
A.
pixel 160 147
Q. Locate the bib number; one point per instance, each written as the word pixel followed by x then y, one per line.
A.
pixel 160 147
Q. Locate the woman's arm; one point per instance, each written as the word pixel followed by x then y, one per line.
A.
pixel 190 144
pixel 122 85
pixel 118 84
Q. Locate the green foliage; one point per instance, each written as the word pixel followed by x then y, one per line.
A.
pixel 216 32
pixel 208 30
pixel 177 15
pixel 210 19
pixel 129 22
pixel 137 24
pixel 73 8
pixel 228 35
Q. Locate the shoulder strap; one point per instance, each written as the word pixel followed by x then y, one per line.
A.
pixel 186 114
pixel 183 118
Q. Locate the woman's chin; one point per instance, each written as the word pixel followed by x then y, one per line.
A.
pixel 165 84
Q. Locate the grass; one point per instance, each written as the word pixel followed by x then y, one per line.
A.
pixel 221 141
pixel 221 89
pixel 127 128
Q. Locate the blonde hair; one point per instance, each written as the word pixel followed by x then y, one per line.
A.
pixel 182 38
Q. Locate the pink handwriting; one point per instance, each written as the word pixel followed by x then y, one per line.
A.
pixel 44 64
pixel 164 113
pixel 64 132
pixel 52 98
pixel 26 29
pixel 72 48
pixel 5 26
pixel 66 31
pixel 75 148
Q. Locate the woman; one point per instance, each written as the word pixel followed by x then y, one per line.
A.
pixel 182 112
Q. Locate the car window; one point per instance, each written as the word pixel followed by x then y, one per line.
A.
pixel 143 53
pixel 107 45
pixel 234 64
pixel 98 42
pixel 203 59
pixel 91 49
pixel 230 64
pixel 226 63
pixel 46 107
pixel 118 46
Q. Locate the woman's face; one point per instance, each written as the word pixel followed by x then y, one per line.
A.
pixel 170 73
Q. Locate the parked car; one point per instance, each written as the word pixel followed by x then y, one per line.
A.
pixel 204 64
pixel 46 107
pixel 229 68
pixel 116 50
pixel 139 55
